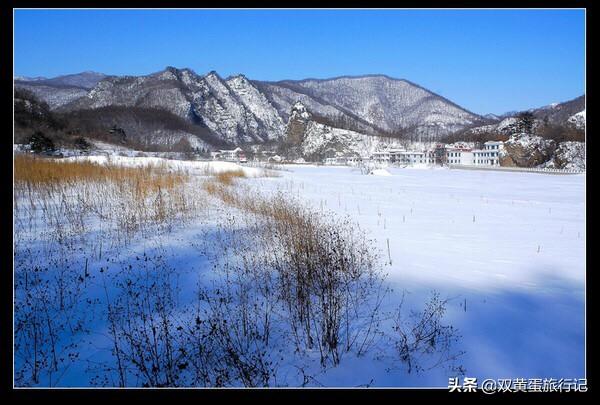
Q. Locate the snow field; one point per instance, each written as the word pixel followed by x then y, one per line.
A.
pixel 510 245
pixel 507 249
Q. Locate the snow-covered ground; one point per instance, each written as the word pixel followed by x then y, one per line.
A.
pixel 193 167
pixel 508 249
pixel 512 245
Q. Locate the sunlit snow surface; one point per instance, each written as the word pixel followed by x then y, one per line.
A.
pixel 509 245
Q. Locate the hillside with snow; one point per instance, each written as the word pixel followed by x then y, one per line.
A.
pixel 60 90
pixel 241 111
pixel 566 114
pixel 578 120
pixel 386 103
pixel 177 109
pixel 236 114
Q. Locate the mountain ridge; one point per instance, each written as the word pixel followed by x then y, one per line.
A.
pixel 240 110
pixel 374 75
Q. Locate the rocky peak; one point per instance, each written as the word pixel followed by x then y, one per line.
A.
pixel 299 112
pixel 184 75
pixel 239 78
pixel 297 123
pixel 213 75
pixel 238 82
pixel 170 73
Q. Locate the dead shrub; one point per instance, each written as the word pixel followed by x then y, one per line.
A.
pixel 65 213
pixel 326 270
pixel 423 342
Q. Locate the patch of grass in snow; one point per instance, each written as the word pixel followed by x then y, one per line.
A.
pixel 330 279
pixel 69 217
pixel 291 285
pixel 327 270
pixel 33 171
pixel 67 196
pixel 228 176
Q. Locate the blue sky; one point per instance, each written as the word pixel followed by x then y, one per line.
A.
pixel 484 60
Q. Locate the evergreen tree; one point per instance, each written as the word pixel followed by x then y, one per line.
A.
pixel 40 143
pixel 82 144
pixel 525 121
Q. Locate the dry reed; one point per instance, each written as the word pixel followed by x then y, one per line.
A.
pixel 40 172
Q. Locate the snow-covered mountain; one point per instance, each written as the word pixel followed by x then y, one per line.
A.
pixel 314 141
pixel 559 113
pixel 373 104
pixel 28 79
pixel 85 80
pixel 569 113
pixel 344 111
pixel 493 117
pixel 241 111
pixel 60 90
pixel 55 97
pixel 233 109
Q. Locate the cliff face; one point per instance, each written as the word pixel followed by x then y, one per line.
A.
pixel 314 141
pixel 525 150
pixel 233 109
pixel 297 124
pixel 568 155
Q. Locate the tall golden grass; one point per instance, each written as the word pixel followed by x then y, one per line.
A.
pixel 227 177
pixel 64 194
pixel 40 172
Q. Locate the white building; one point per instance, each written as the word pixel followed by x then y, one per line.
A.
pixel 402 157
pixel 459 156
pixel 463 155
pixel 382 157
pixel 413 157
pixel 354 160
pixel 234 155
pixel 351 160
pixel 489 155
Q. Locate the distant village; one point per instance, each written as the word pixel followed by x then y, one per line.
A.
pixel 440 154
